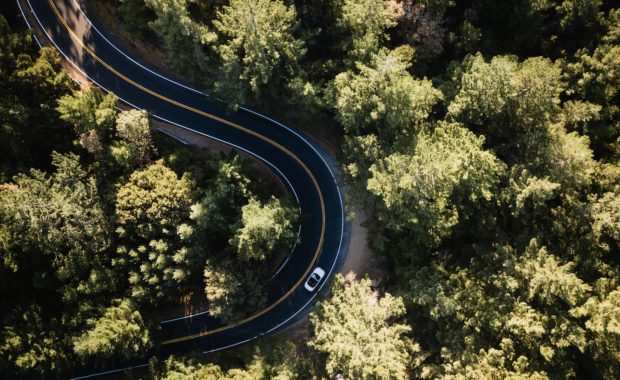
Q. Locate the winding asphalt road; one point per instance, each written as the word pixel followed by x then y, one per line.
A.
pixel 308 171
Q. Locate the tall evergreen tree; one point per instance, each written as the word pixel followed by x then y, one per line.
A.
pixel 120 332
pixel 152 212
pixel 258 48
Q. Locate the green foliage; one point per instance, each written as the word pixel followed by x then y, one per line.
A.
pixel 594 78
pixel 188 368
pixel 136 16
pixel 357 329
pixel 437 7
pixel 519 303
pixel 258 48
pixel 58 219
pixel 184 38
pixel 31 82
pixel 603 323
pixel 227 291
pixel 220 208
pixel 580 14
pixel 424 192
pixel 120 331
pixel 507 100
pixel 491 363
pixel 92 113
pixel 497 212
pixel 366 23
pixel 30 343
pixel 365 17
pixel 529 192
pixel 152 211
pixel 135 147
pixel 263 229
pixel 267 360
pixel 383 98
pixel 606 220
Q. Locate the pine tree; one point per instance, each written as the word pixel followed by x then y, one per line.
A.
pixel 258 50
pixel 120 331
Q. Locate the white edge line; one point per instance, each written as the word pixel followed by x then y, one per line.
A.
pixel 130 58
pixel 34 35
pixel 161 118
pixel 191 88
pixel 173 123
pixel 227 143
pixel 109 372
pixel 206 94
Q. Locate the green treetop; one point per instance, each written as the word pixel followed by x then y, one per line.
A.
pixel 92 113
pixel 257 47
pixel 120 331
pixel 183 38
pixel 135 147
pixel 359 332
pixel 382 97
pixel 152 211
pixel 263 228
pixel 424 192
pixel 61 218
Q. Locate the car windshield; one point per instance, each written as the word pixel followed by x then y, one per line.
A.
pixel 312 281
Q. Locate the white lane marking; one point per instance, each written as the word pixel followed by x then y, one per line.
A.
pixel 34 35
pixel 180 126
pixel 162 118
pixel 130 58
pixel 230 144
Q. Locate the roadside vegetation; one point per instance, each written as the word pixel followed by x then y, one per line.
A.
pixel 482 139
pixel 105 225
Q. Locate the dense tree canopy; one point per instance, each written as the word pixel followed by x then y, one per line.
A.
pixel 92 113
pixel 263 229
pixel 425 192
pixel 151 211
pixel 58 219
pixel 258 47
pixel 481 140
pixel 383 98
pixel 356 328
pixel 31 82
pixel 135 148
pixel 120 331
pixel 183 37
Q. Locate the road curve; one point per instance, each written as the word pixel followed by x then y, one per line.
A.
pixel 308 172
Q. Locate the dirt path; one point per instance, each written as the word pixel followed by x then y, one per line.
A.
pixel 359 254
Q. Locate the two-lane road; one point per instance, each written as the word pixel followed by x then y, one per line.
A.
pixel 309 173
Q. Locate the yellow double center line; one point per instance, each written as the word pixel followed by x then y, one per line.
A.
pixel 231 124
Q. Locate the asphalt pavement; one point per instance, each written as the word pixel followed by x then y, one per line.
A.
pixel 308 171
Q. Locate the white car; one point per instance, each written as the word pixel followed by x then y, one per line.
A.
pixel 315 277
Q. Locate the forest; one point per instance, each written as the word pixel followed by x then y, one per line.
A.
pixel 481 138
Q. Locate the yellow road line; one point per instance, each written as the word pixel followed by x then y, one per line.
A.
pixel 231 124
